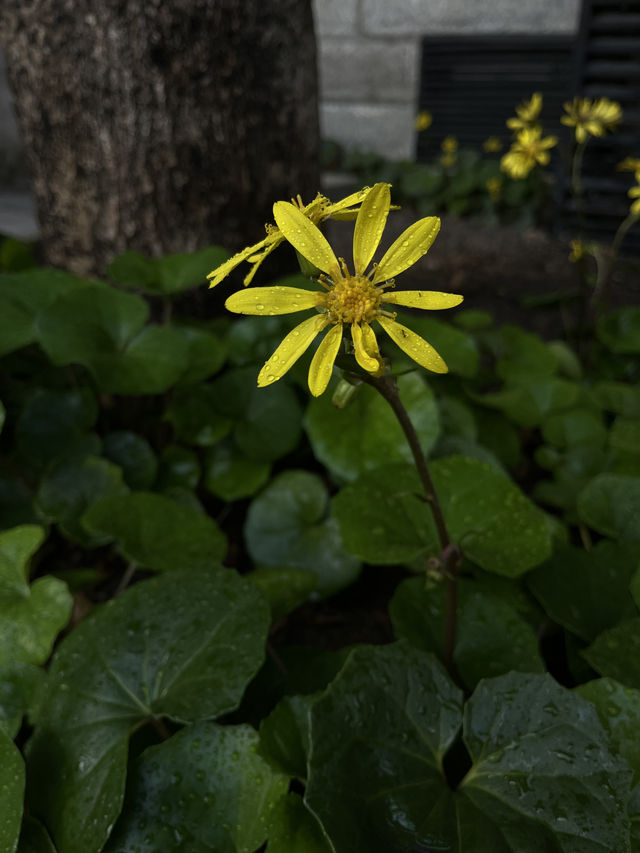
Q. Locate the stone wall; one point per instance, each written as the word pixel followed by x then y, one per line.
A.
pixel 369 57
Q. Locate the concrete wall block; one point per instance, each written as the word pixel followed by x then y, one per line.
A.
pixel 476 17
pixel 368 70
pixel 335 17
pixel 386 129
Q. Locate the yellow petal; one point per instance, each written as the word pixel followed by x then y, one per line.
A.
pixel 364 357
pixel 369 225
pixel 431 299
pixel 346 202
pixel 321 365
pixel 414 346
pixel 224 269
pixel 291 348
pixel 267 301
pixel 410 246
pixel 255 262
pixel 304 236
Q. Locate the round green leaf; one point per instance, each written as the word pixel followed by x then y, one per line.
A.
pixel 52 421
pixel 378 737
pixel 230 475
pixel 527 399
pixel 156 532
pixel 206 353
pixel 284 589
pixel 289 525
pixel 284 735
pixel 183 647
pixel 22 295
pixel 271 424
pixel 617 397
pixel 576 426
pixel 587 591
pixel 11 793
pixel 193 414
pixel 185 270
pixel 610 503
pixel 522 353
pixel 491 636
pixel 134 455
pixel 179 467
pixel 132 269
pixel 71 484
pixel 206 790
pixel 17 546
pixel 293 829
pixel 620 332
pixel 615 653
pixel 543 769
pixel 353 440
pixel 20 689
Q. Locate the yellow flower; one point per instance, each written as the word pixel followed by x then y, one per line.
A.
pixel 449 145
pixel 355 300
pixel 528 149
pixel 577 251
pixel 634 192
pixel 492 144
pixel 494 187
pixel 449 159
pixel 527 113
pixel 629 164
pixel 423 120
pixel 591 118
pixel 316 211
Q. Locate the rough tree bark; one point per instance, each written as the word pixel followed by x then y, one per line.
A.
pixel 161 125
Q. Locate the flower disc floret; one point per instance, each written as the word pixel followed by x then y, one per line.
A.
pixel 353 300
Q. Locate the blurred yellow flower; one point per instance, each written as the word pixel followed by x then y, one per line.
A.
pixel 316 211
pixel 526 113
pixel 492 144
pixel 634 192
pixel 629 164
pixel 494 187
pixel 528 149
pixel 591 118
pixel 423 120
pixel 577 251
pixel 449 145
pixel 349 299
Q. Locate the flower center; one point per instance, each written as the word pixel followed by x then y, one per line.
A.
pixel 353 299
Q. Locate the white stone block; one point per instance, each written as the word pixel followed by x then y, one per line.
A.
pixel 368 70
pixel 335 17
pixel 384 128
pixel 470 17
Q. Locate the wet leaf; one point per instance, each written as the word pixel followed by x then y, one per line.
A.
pixel 615 653
pixel 11 793
pixel 182 647
pixel 134 455
pixel 51 421
pixel 293 829
pixel 610 503
pixel 230 475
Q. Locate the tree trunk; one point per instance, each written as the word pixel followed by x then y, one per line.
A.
pixel 161 125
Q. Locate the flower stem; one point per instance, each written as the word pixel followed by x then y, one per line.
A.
pixel 387 387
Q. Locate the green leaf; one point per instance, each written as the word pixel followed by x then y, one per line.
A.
pixel 156 532
pixel 230 475
pixel 271 424
pixel 206 353
pixel 182 647
pixel 34 838
pixel 193 413
pixel 289 525
pixel 618 709
pixel 522 353
pixel 104 330
pixel 30 616
pixel 284 589
pixel 379 734
pixel 179 467
pixel 491 637
pixel 11 793
pixel 293 829
pixel 20 689
pixel 132 269
pixel 284 735
pixel 616 653
pixel 610 504
pixel 168 275
pixel 625 435
pixel 52 421
pixel 457 348
pixel 496 526
pixel 353 440
pixel 527 399
pixel 22 295
pixel 15 255
pixel 620 331
pixel 587 591
pixel 134 455
pixel 543 769
pixel 617 397
pixel 577 426
pixel 206 790
pixel 70 485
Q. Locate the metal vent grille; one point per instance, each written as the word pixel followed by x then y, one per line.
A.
pixel 608 65
pixel 471 85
